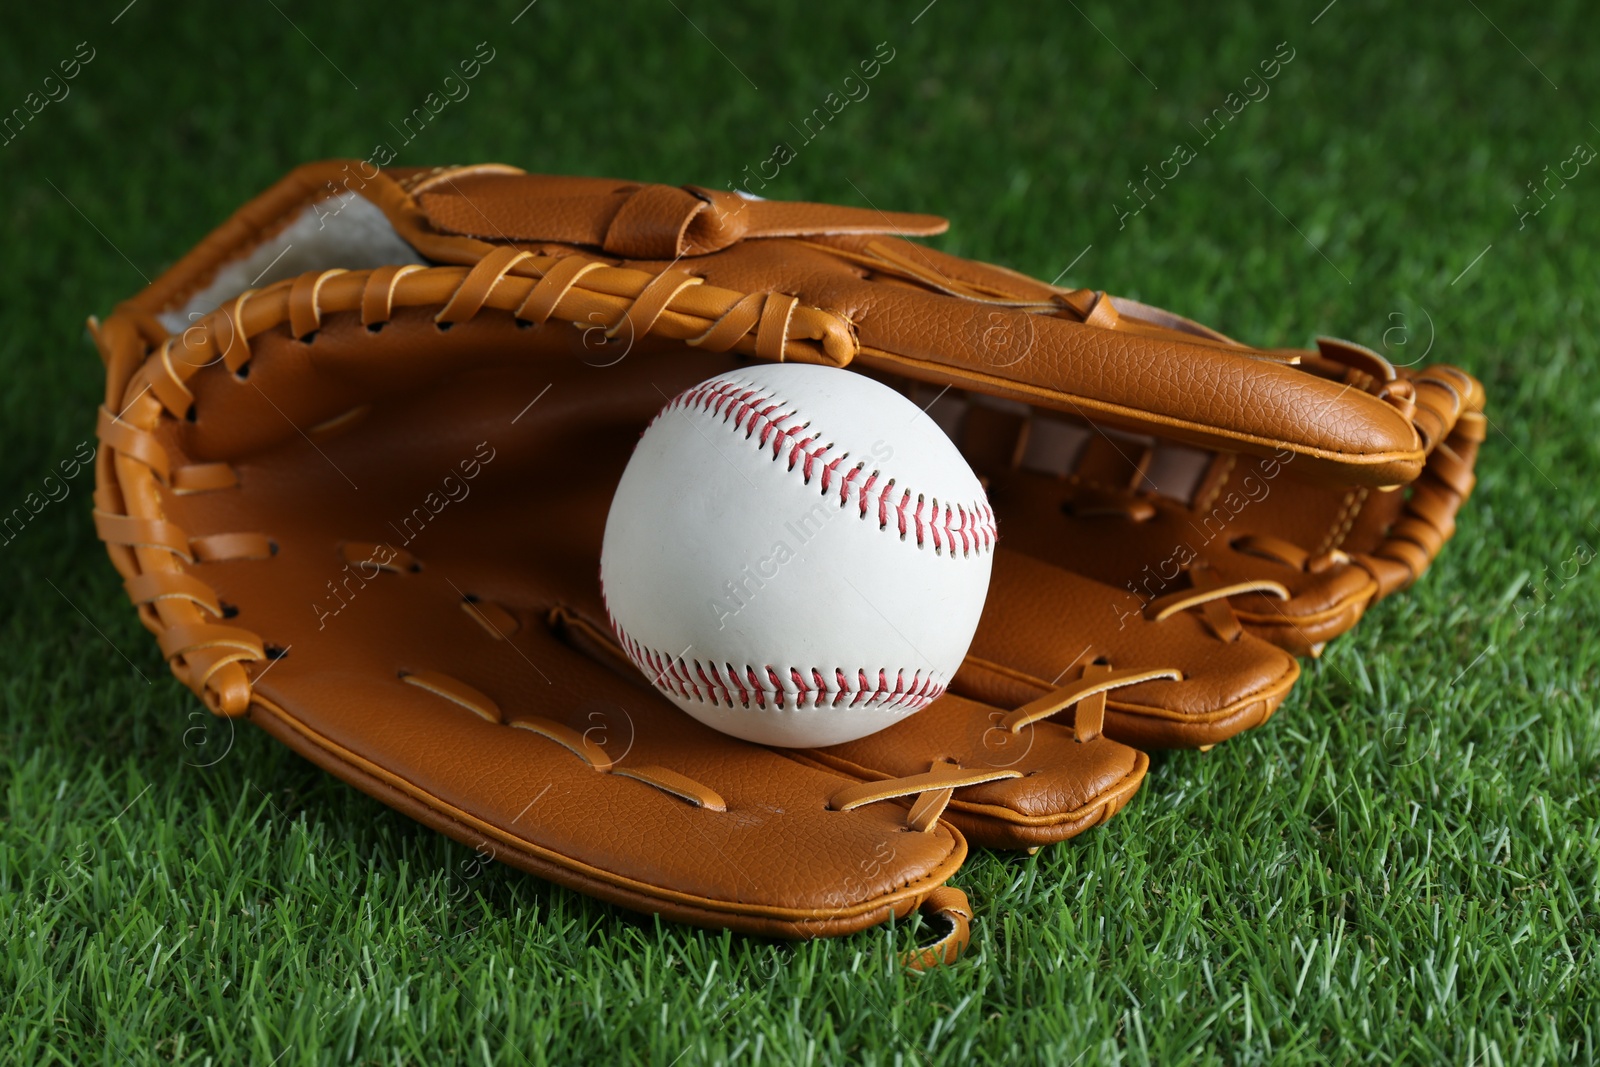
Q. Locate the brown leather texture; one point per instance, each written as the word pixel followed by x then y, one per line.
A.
pixel 937 317
pixel 363 508
pixel 639 221
pixel 412 609
pixel 1335 549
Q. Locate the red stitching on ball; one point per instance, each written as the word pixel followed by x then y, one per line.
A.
pixel 725 686
pixel 844 487
pixel 763 418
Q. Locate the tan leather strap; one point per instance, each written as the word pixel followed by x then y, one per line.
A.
pixel 651 223
pixel 133 443
pixel 744 316
pixel 943 775
pixel 474 700
pixel 1088 692
pixel 455 691
pixel 633 220
pixel 477 286
pixel 926 809
pixel 678 785
pixel 558 280
pixel 1450 469
pixel 1356 357
pixel 933 788
pixel 1288 553
pixel 1435 504
pixel 1412 558
pixel 165 379
pixel 215 548
pixel 653 299
pixel 565 736
pixel 1471 426
pixel 929 805
pixel 151 586
pixel 1436 405
pixel 142 533
pixel 218 675
pixel 1103 314
pixel 305 309
pixel 210 658
pixel 1210 595
pixel 181 640
pixel 534 288
pixel 377 297
pixel 950 905
pixel 198 652
pixel 1428 518
pixel 203 478
pixel 1184 599
pixel 776 314
pixel 236 347
pixel 1402 396
pixel 886 259
pixel 382 556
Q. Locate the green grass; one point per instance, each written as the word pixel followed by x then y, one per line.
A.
pixel 1400 865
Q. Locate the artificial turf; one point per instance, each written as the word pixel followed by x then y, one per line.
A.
pixel 1402 864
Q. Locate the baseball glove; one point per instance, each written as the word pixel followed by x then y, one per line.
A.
pixel 359 446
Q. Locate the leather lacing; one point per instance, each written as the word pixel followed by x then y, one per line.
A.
pixel 534 289
pixel 500 623
pixel 931 791
pixel 579 744
pixel 617 301
pixel 181 609
pixel 1431 400
pixel 135 469
pixel 1088 694
pixel 1427 516
pixel 1211 595
pixel 1089 306
pixel 177 605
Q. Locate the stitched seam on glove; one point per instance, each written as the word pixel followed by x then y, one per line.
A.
pixel 1114 793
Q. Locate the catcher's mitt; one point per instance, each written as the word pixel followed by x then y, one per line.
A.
pixel 359 447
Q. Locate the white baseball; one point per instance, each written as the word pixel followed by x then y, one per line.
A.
pixel 796 555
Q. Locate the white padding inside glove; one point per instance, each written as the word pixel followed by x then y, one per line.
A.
pixel 349 232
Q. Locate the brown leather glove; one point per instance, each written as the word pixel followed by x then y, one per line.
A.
pixel 1154 519
pixel 358 451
